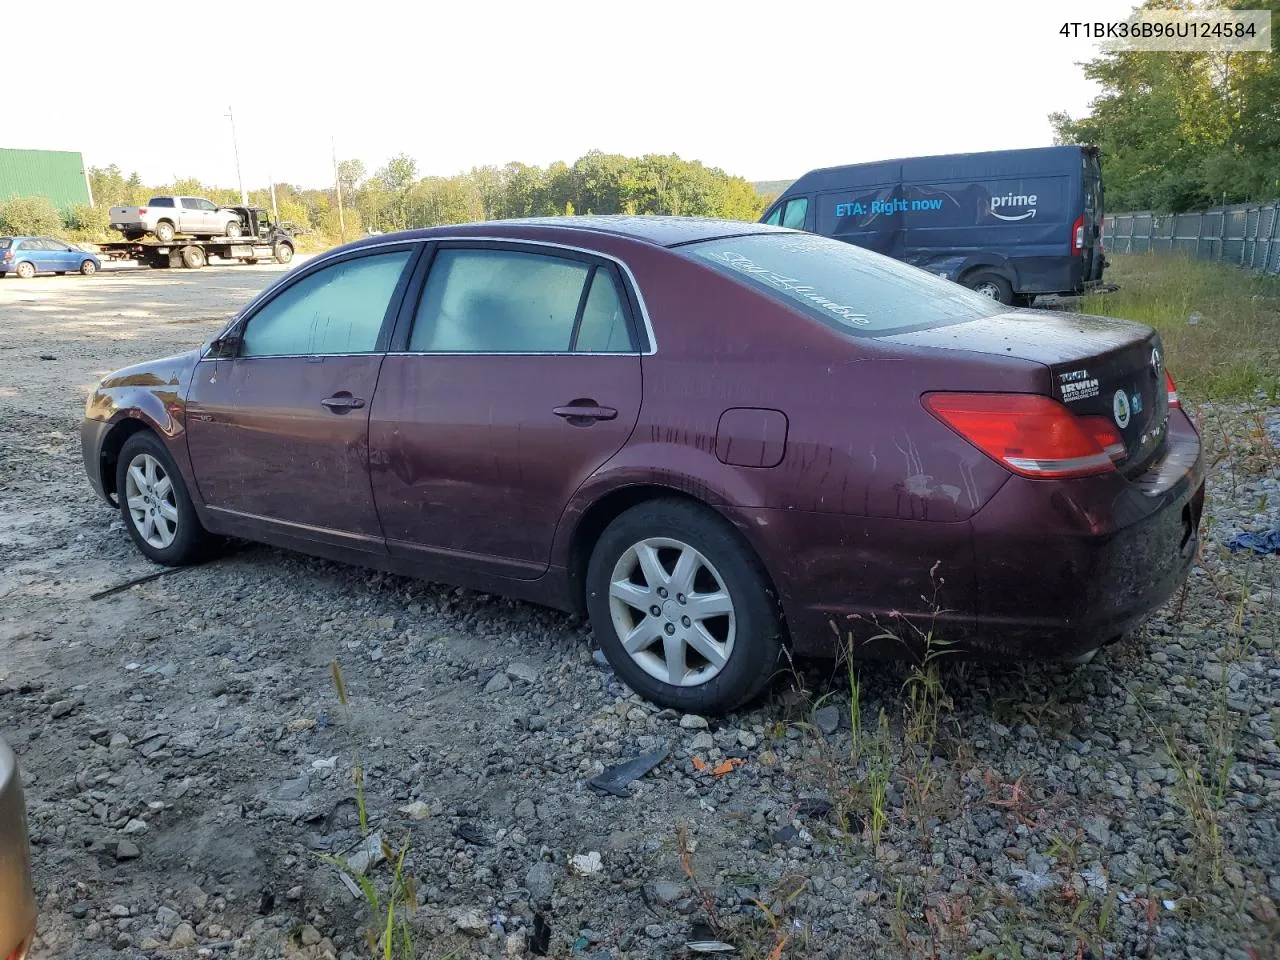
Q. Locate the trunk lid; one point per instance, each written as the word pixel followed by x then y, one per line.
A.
pixel 1097 366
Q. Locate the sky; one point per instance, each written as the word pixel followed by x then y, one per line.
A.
pixel 762 90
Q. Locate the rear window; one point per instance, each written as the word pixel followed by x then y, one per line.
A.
pixel 4 243
pixel 849 289
pixel 160 202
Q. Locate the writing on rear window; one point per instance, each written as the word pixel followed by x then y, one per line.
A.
pixel 805 291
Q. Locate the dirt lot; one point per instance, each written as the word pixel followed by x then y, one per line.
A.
pixel 188 761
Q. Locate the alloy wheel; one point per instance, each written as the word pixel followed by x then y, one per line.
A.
pixel 150 497
pixel 671 611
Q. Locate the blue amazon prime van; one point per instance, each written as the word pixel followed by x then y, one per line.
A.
pixel 1010 224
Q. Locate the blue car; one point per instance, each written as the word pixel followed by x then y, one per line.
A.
pixel 27 256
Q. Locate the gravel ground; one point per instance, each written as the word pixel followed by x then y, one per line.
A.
pixel 188 762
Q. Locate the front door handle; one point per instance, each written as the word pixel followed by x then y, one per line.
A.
pixel 582 412
pixel 341 402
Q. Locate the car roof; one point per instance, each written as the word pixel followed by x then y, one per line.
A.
pixel 660 231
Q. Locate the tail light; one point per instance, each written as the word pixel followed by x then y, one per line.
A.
pixel 142 211
pixel 1172 388
pixel 1032 435
pixel 1077 237
pixel 8 255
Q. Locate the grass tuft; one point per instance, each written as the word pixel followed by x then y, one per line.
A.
pixel 1232 350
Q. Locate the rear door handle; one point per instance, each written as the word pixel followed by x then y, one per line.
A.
pixel 342 402
pixel 588 410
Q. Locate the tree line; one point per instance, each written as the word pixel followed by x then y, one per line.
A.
pixel 396 197
pixel 1183 131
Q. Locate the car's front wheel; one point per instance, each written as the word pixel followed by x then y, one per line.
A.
pixel 156 507
pixel 88 268
pixel 682 608
pixel 233 229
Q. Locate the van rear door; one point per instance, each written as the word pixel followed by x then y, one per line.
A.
pixel 1091 248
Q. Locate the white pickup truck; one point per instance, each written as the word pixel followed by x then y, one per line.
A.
pixel 166 217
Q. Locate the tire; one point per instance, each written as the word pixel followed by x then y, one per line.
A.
pixel 174 536
pixel 88 268
pixel 676 534
pixel 26 270
pixel 164 231
pixel 990 285
pixel 233 229
pixel 283 252
pixel 193 258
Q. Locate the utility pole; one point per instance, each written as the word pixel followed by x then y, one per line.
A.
pixel 275 211
pixel 337 182
pixel 244 197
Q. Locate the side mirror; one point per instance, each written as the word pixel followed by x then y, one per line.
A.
pixel 226 347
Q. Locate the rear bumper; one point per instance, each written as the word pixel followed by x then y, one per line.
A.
pixel 17 897
pixel 1062 568
pixel 1038 275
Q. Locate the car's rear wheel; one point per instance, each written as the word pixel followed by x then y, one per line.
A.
pixel 88 268
pixel 164 231
pixel 682 608
pixel 156 507
pixel 26 270
pixel 990 285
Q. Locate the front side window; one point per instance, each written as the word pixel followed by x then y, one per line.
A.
pixel 339 309
pixel 794 214
pixel 504 301
pixel 846 287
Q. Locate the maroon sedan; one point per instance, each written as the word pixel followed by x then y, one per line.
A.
pixel 713 438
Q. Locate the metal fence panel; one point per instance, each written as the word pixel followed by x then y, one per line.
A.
pixel 1244 234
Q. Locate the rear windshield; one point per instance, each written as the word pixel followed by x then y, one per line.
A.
pixel 160 202
pixel 846 287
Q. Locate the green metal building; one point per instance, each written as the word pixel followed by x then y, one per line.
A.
pixel 58 175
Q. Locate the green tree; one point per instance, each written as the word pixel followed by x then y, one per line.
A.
pixel 1179 130
pixel 396 179
pixel 29 215
pixel 436 200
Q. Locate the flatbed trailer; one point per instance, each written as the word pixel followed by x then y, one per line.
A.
pixel 260 239
pixel 195 254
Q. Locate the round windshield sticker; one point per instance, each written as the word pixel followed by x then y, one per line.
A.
pixel 1120 407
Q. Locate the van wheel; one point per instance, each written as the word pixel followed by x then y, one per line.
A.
pixel 990 285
